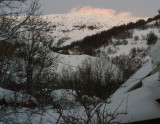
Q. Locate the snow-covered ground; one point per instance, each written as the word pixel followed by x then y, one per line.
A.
pixel 16 97
pixel 72 27
pixel 72 61
pixel 141 43
pixel 139 103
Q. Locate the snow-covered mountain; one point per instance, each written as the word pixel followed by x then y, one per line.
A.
pixel 75 26
pixel 138 96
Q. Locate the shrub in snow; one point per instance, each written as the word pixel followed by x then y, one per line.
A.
pixel 125 42
pixel 151 38
pixel 133 52
pixel 91 27
pixel 155 54
pixel 111 50
pixel 136 38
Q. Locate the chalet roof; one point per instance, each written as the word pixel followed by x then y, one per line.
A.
pixel 141 103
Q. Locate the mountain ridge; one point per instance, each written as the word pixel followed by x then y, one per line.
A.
pixel 71 27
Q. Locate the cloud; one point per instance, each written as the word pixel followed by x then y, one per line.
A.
pixel 101 11
pixel 91 10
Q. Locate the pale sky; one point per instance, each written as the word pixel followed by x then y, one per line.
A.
pixel 138 8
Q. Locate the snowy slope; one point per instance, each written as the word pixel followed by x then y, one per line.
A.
pixel 71 61
pixel 140 44
pixel 140 104
pixel 72 27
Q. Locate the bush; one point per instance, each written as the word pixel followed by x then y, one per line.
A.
pixel 133 52
pixel 151 38
pixel 93 78
pixel 136 38
pixel 125 42
pixel 128 66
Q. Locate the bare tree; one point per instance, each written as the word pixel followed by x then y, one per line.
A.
pixel 10 23
pixel 97 77
pixel 25 55
pixel 10 12
pixel 37 58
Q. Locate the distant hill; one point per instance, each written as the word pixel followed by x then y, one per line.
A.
pixel 127 39
pixel 73 27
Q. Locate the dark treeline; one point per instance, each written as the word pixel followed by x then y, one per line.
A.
pixel 90 43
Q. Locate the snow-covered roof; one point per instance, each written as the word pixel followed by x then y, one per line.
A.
pixel 139 103
pixel 134 79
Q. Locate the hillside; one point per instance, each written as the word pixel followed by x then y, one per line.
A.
pixel 78 69
pixel 72 27
pixel 132 39
pixel 137 98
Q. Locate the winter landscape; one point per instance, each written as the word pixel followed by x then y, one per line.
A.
pixel 83 64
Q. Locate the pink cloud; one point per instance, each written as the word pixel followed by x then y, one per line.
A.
pixel 91 10
pixel 101 11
